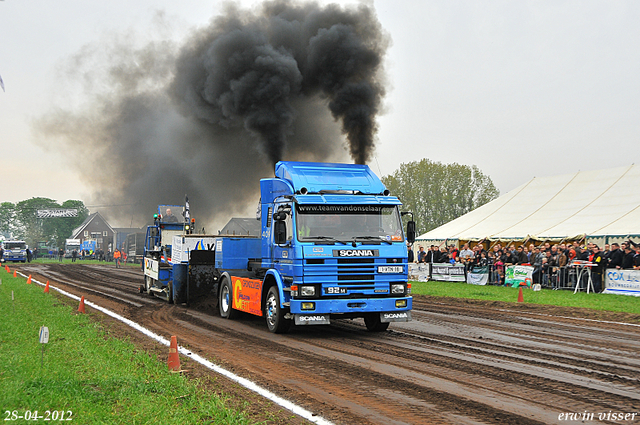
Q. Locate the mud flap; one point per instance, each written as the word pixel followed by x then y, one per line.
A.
pixel 401 316
pixel 311 319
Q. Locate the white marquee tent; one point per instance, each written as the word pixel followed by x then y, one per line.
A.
pixel 603 205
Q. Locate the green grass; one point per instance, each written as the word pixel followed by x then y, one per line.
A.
pixel 98 378
pixel 606 302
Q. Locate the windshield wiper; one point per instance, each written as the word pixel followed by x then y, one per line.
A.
pixel 377 238
pixel 328 238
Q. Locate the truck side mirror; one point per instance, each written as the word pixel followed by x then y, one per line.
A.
pixel 411 231
pixel 280 232
pixel 280 216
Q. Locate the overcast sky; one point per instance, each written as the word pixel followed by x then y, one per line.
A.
pixel 520 89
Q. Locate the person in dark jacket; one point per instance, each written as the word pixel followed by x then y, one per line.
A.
pixel 627 260
pixel 615 257
pixel 409 254
pixel 596 271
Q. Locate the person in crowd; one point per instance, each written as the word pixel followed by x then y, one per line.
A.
pixel 437 254
pixel 1 254
pixel 627 260
pixel 484 260
pixel 544 271
pixel 547 248
pixel 466 253
pixel 521 256
pixel 444 255
pixel 28 255
pixel 636 258
pixel 34 254
pixel 453 253
pixel 512 256
pixel 409 254
pixel 421 255
pixel 615 257
pixel 60 254
pixel 536 261
pixel 466 257
pixel 429 256
pixel 553 265
pixel 596 271
pixel 74 256
pixel 530 253
pixel 584 253
pixel 477 251
pixel 606 251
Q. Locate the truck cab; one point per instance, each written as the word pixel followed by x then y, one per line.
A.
pixel 332 247
pixel 15 251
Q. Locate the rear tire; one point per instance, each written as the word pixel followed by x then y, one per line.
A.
pixel 225 300
pixel 374 324
pixel 274 314
pixel 170 293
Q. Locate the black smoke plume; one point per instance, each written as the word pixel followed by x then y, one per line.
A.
pixel 211 116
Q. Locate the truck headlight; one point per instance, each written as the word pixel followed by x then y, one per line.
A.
pixel 397 288
pixel 307 291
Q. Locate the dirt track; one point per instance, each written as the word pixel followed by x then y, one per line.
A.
pixel 457 362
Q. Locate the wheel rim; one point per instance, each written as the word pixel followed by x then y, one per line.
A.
pixel 272 309
pixel 224 298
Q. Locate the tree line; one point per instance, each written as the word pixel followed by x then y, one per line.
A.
pixel 437 193
pixel 19 221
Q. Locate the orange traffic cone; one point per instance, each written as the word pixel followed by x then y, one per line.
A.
pixel 29 280
pixel 174 359
pixel 15 274
pixel 46 288
pixel 520 297
pixel 81 306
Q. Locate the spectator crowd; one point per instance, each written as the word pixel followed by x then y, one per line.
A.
pixel 553 265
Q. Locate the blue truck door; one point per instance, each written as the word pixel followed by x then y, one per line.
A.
pixel 283 254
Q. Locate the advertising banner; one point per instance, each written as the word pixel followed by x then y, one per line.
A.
pixel 623 282
pixel 447 272
pixel 58 212
pixel 419 272
pixel 478 276
pixel 516 275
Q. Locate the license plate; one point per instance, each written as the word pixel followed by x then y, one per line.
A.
pixel 335 290
pixel 390 269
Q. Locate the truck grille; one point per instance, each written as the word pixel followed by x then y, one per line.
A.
pixel 352 272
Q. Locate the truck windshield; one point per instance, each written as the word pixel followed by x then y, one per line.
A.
pixel 15 245
pixel 348 222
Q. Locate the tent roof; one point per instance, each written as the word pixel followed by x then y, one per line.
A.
pixel 601 202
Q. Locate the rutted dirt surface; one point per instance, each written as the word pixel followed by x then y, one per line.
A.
pixel 457 362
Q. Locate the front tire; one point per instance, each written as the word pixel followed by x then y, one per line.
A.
pixel 170 293
pixel 225 300
pixel 274 314
pixel 374 324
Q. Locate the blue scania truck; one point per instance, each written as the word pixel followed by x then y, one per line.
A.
pixel 332 246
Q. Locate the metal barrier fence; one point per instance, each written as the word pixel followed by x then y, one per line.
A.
pixel 548 277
